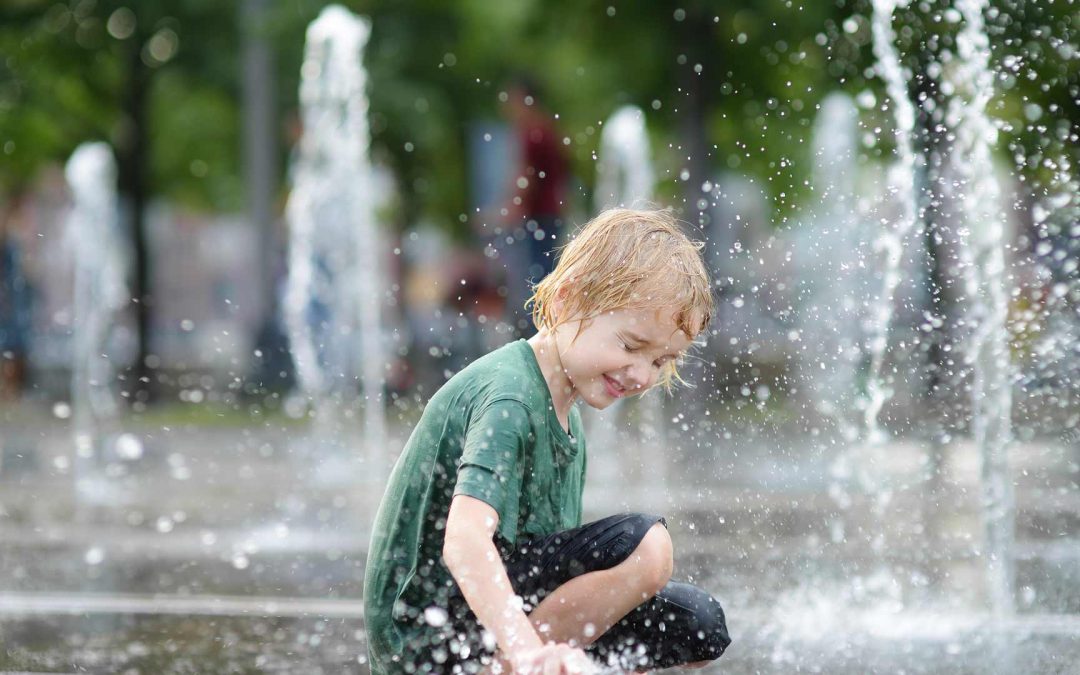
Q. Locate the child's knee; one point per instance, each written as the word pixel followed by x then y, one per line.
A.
pixel 655 553
pixel 712 630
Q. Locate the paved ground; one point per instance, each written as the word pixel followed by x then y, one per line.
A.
pixel 239 547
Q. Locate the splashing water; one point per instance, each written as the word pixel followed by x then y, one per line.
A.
pixel 902 178
pixel 332 297
pixel 101 267
pixel 834 284
pixel 980 245
pixel 624 172
pixel 985 281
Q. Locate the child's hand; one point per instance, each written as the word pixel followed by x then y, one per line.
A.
pixel 553 659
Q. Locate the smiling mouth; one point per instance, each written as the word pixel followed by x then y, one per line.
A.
pixel 613 388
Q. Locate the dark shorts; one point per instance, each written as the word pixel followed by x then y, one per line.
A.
pixel 680 624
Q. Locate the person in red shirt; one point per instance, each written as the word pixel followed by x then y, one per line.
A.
pixel 540 181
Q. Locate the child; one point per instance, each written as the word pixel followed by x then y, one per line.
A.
pixel 478 559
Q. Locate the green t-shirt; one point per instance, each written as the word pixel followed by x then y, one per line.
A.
pixel 491 433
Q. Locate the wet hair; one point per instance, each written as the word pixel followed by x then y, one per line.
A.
pixel 635 259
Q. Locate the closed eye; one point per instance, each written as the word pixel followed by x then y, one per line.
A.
pixel 659 363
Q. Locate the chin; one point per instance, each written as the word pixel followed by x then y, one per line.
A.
pixel 600 404
pixel 603 400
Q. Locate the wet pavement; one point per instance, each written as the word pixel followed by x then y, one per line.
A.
pixel 219 548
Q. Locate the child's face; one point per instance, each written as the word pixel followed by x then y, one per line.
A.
pixel 619 353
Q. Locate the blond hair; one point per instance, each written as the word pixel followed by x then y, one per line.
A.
pixel 628 259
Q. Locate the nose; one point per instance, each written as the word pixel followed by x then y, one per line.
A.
pixel 637 378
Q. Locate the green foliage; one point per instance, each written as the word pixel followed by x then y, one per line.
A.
pixel 436 66
pixel 47 105
pixel 67 68
pixel 195 132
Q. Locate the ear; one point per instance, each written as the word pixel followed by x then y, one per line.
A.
pixel 558 301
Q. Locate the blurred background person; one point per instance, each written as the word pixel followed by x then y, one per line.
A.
pixel 14 310
pixel 538 193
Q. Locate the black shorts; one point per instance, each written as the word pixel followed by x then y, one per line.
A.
pixel 680 624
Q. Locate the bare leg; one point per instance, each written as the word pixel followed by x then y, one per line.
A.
pixel 584 608
pixel 599 599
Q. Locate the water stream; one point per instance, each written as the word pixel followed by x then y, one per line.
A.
pixel 979 245
pixel 333 296
pixel 101 268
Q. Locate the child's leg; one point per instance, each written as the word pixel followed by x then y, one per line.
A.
pixel 682 625
pixel 590 577
pixel 585 607
pixel 607 584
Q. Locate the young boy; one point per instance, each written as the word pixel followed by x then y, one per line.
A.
pixel 478 559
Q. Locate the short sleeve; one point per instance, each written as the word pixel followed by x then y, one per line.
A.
pixel 491 466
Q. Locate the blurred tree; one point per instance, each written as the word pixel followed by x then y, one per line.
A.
pixel 726 86
pixel 155 79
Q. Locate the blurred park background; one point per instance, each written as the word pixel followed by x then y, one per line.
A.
pixel 219 321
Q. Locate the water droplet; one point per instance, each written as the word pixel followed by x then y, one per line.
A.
pixel 435 616
pixel 94 555
pixel 128 447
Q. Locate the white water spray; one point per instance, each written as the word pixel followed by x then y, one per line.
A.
pixel 624 172
pixel 101 268
pixel 902 180
pixel 332 301
pixel 833 285
pixel 986 290
pixel 980 250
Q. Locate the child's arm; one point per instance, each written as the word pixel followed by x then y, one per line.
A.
pixel 473 560
pixel 470 555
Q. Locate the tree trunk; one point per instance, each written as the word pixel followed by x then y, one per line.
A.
pixel 693 106
pixel 260 146
pixel 693 112
pixel 260 142
pixel 132 167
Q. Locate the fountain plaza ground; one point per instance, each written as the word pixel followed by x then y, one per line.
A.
pixel 215 544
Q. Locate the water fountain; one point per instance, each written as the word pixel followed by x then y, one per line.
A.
pixel 902 180
pixel 980 244
pixel 333 297
pixel 101 268
pixel 894 601
pixel 624 170
pixel 984 206
pixel 753 521
pixel 831 285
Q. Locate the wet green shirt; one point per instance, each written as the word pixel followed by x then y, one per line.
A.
pixel 491 433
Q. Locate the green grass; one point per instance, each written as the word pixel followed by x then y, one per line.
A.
pixel 210 415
